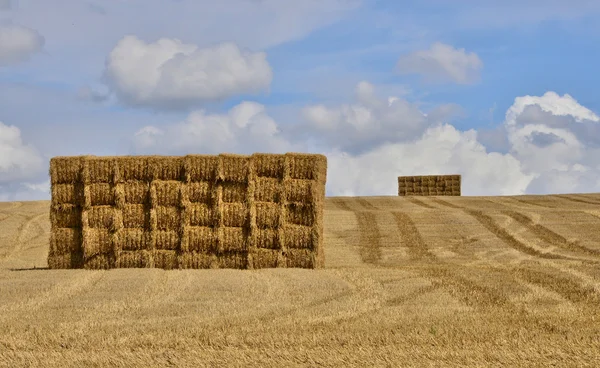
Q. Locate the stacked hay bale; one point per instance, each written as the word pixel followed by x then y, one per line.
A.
pixel 431 185
pixel 196 211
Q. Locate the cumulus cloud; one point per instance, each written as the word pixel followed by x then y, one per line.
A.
pixel 18 43
pixel 371 121
pixel 246 128
pixel 169 73
pixel 442 63
pixel 18 161
pixel 557 141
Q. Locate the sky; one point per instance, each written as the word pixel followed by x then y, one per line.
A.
pixel 503 93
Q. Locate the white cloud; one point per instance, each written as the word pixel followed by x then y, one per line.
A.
pixel 371 121
pixel 18 43
pixel 246 128
pixel 18 161
pixel 556 140
pixel 442 63
pixel 169 73
pixel 553 103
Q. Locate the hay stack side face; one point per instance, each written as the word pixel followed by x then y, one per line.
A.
pixel 431 185
pixel 197 211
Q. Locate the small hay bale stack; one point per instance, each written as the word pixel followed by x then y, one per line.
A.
pixel 196 211
pixel 430 185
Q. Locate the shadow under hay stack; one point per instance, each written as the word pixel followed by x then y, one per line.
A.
pixel 195 211
pixel 430 185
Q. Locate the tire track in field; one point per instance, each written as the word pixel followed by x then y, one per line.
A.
pixel 20 239
pixel 80 282
pixel 366 204
pixel 441 274
pixel 370 245
pixel 548 235
pixel 578 200
pixel 506 237
pixel 419 202
pixel 341 204
pixel 564 286
pixel 399 300
pixel 471 293
pixel 17 240
pixel 417 248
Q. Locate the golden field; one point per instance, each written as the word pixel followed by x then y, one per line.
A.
pixel 408 282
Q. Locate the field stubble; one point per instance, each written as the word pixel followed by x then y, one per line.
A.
pixel 440 281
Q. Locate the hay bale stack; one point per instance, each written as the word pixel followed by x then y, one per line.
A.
pixel 430 185
pixel 196 211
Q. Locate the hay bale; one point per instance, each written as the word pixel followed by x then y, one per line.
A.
pixel 136 192
pixel 100 194
pixel 96 242
pixel 234 192
pixel 429 185
pixel 165 168
pixel 66 194
pixel 231 239
pixel 197 260
pixel 101 217
pixel 268 165
pixel 234 214
pixel 268 258
pixel 133 169
pixel 298 236
pixel 167 217
pixel 200 168
pixel 307 166
pixel 168 193
pixel 267 215
pixel 192 211
pixel 199 192
pixel 65 261
pixel 165 259
pixel 302 258
pixel 267 190
pixel 302 191
pixel 98 169
pixel 135 259
pixel 167 240
pixel 65 241
pixel 99 262
pixel 65 170
pixel 132 239
pixel 198 214
pixel 200 239
pixel 231 260
pixel 300 213
pixel 267 238
pixel 136 216
pixel 67 215
pixel 233 168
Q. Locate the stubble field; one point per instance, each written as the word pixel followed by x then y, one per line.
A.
pixel 409 281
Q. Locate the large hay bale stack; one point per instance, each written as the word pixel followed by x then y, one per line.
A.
pixel 430 185
pixel 195 211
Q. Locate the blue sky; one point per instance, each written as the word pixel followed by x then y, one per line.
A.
pixel 91 77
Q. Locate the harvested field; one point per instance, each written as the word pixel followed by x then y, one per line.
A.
pixel 428 281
